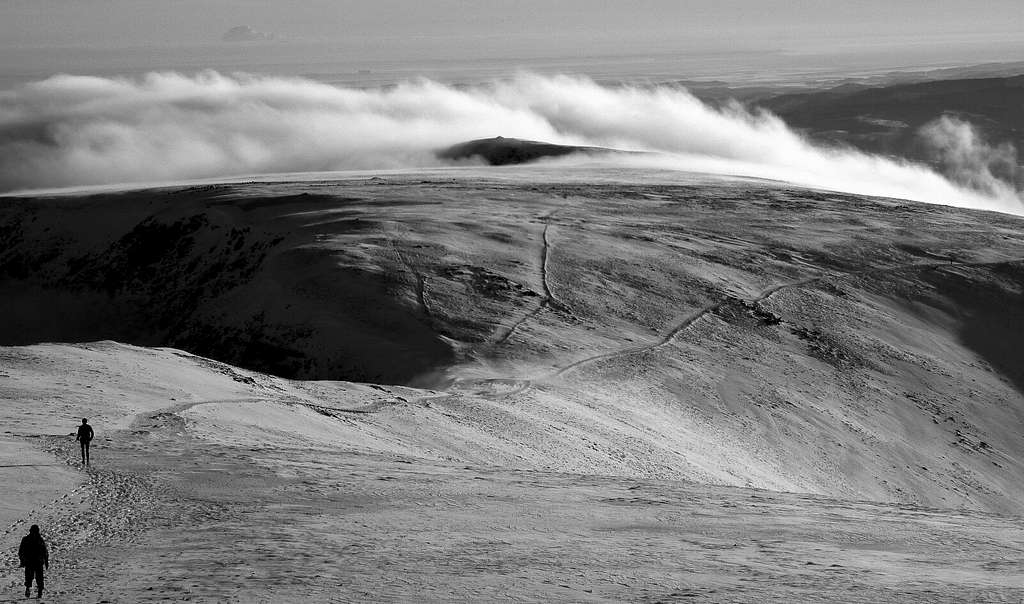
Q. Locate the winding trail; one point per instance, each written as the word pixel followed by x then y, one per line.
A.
pixel 420 286
pixel 549 296
pixel 115 505
pixel 692 318
pixel 548 299
pixel 496 387
pixel 371 408
pixel 110 506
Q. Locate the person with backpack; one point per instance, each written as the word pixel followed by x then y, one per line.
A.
pixel 84 437
pixel 34 558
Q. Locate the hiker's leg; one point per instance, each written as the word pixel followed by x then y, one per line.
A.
pixel 87 452
pixel 39 579
pixel 28 576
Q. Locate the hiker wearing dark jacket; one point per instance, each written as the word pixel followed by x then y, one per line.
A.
pixel 84 437
pixel 34 558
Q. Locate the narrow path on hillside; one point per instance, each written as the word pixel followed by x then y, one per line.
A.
pixel 110 508
pixel 323 409
pixel 682 325
pixel 419 279
pixel 548 299
pixel 116 505
pixel 545 281
pixel 692 318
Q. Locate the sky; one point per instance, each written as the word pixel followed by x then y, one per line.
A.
pixel 557 24
pixel 42 37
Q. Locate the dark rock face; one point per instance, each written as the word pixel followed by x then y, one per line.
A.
pixel 218 278
pixel 500 151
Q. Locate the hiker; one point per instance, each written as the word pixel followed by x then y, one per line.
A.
pixel 34 558
pixel 84 436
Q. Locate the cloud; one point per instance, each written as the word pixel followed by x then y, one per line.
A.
pixel 75 130
pixel 967 159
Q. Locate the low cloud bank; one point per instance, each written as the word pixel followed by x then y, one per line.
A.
pixel 75 130
pixel 967 159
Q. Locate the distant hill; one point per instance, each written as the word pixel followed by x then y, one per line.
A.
pixel 886 119
pixel 500 151
pixel 245 33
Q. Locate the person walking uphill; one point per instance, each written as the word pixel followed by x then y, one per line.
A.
pixel 84 437
pixel 34 558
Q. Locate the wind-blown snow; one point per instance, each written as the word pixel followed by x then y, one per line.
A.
pixel 78 130
pixel 968 159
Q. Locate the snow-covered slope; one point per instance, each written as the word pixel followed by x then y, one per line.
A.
pixel 518 328
pixel 212 483
pixel 724 332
